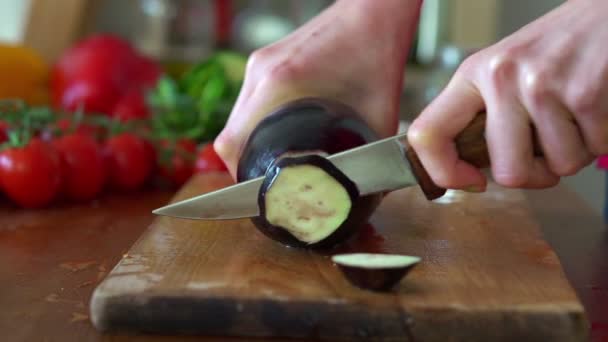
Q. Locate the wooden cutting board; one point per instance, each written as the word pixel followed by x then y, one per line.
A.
pixel 486 275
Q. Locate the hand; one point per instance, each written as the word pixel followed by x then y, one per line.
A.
pixel 552 74
pixel 350 52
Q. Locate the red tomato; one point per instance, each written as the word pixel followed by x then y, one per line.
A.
pixel 94 74
pixel 145 73
pixel 128 161
pixel 31 175
pixel 83 168
pixel 88 56
pixel 208 160
pixel 90 95
pixel 150 150
pixel 131 106
pixel 103 41
pixel 180 167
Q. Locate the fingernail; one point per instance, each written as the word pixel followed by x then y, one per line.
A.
pixel 475 188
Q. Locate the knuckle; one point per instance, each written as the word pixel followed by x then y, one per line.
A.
pixel 259 60
pixel 501 67
pixel 255 59
pixel 537 85
pixel 258 57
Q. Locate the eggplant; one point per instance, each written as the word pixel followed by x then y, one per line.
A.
pixel 375 271
pixel 288 148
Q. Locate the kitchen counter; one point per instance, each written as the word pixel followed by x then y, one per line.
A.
pixel 51 260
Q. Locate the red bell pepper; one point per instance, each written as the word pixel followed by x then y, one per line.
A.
pixel 97 72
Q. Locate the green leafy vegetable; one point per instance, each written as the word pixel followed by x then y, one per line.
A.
pixel 198 104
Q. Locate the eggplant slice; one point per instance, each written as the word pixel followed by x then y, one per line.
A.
pixel 299 133
pixel 373 271
pixel 308 197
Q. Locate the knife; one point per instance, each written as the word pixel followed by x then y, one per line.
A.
pixel 400 168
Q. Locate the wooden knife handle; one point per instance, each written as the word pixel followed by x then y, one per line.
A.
pixel 472 148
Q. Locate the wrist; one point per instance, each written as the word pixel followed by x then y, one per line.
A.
pixel 392 23
pixel 385 16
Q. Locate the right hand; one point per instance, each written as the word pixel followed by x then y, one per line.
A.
pixel 551 75
pixel 350 52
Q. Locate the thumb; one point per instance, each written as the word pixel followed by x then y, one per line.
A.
pixel 432 136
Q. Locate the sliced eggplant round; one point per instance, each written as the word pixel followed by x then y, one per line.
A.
pixel 287 147
pixel 307 201
pixel 373 271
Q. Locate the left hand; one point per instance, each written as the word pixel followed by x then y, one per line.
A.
pixel 325 58
pixel 552 74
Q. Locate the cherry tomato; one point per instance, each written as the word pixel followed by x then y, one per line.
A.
pixel 131 106
pixel 128 161
pixel 208 160
pixel 180 167
pixel 31 175
pixel 83 168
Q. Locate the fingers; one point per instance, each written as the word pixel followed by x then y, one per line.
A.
pixel 509 138
pixel 589 107
pixel 561 139
pixel 227 143
pixel 433 132
pixel 595 132
pixel 584 92
pixel 267 84
pixel 251 107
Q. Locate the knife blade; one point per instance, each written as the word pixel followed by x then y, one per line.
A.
pixel 395 166
pixel 240 200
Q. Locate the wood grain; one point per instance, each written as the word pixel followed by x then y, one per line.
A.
pixel 52 259
pixel 487 274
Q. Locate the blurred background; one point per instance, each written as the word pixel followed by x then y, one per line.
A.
pixel 179 33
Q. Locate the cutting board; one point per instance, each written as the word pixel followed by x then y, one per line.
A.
pixel 486 274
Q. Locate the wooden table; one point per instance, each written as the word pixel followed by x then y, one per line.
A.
pixel 51 260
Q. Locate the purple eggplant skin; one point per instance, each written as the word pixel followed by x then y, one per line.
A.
pixel 307 126
pixel 377 280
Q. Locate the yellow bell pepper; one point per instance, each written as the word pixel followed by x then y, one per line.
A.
pixel 23 74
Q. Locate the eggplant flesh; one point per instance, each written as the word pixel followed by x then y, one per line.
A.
pixel 375 260
pixel 304 129
pixel 308 197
